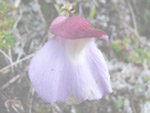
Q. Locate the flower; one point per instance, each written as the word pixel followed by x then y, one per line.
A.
pixel 70 68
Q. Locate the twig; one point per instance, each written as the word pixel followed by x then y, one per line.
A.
pixel 18 19
pixel 133 16
pixel 126 23
pixel 11 60
pixel 17 3
pixel 17 34
pixel 17 62
pixel 5 55
pixel 31 99
pixel 15 104
pixel 40 12
pixel 11 81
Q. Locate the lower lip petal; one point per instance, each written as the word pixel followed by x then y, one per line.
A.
pixel 56 78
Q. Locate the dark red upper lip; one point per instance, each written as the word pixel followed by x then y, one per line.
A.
pixel 75 28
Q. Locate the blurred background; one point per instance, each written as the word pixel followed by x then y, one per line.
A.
pixel 24 27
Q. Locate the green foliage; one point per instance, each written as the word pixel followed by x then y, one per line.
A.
pixel 147 99
pixel 128 52
pixel 58 9
pixel 139 55
pixel 119 103
pixel 126 40
pixel 116 46
pixel 6 23
pixel 69 7
pixel 92 13
pixel 147 79
pixel 6 40
pixel 65 6
pixel 42 109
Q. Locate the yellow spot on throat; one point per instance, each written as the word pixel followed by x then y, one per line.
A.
pixel 76 48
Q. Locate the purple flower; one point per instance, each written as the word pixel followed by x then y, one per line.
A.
pixel 70 68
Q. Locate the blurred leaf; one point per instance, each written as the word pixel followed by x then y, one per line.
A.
pixel 6 40
pixel 126 40
pixel 12 20
pixel 6 24
pixel 146 79
pixel 58 9
pixel 119 103
pixel 147 99
pixel 48 109
pixel 92 13
pixel 116 46
pixel 2 5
